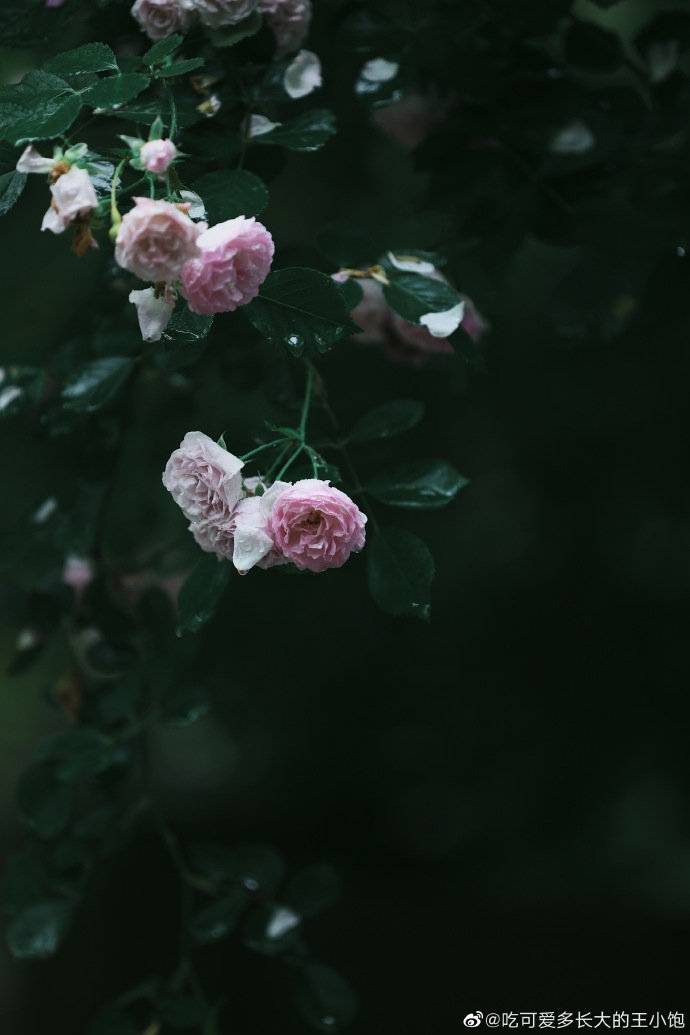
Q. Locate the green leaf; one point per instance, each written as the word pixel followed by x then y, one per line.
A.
pixel 313 889
pixel 37 932
pixel 400 571
pixel 92 385
pixel 389 419
pixel 421 484
pixel 271 929
pixel 324 999
pixel 352 293
pixel 40 107
pixel 301 309
pixel 233 34
pixel 45 804
pixel 116 89
pixel 184 1012
pixel 183 338
pixel 201 592
pixel 412 295
pixel 91 57
pixel 469 350
pixel 11 186
pixel 162 49
pixel 307 132
pixel 218 919
pixel 231 193
pixel 180 68
pixel 79 752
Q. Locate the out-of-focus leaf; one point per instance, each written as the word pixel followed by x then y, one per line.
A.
pixel 92 385
pixel 201 592
pixel 325 1000
pixel 387 420
pixel 11 187
pixel 313 889
pixel 45 804
pixel 307 132
pixel 218 919
pixel 231 192
pixel 420 484
pixel 400 571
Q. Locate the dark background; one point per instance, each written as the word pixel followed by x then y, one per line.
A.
pixel 504 791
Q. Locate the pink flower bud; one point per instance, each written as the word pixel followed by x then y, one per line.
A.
pixel 73 196
pixel 289 20
pixel 234 260
pixel 155 239
pixel 316 526
pixel 156 155
pixel 161 18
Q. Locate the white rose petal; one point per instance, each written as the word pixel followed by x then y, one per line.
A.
pixel 378 70
pixel 153 313
pixel 30 161
pixel 46 510
pixel 8 396
pixel 303 74
pixel 252 540
pixel 411 264
pixel 259 124
pixel 441 325
pixel 574 139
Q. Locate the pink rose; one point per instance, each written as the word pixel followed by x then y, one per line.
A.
pixel 161 18
pixel 217 13
pixel 204 479
pixel 289 20
pixel 316 526
pixel 73 196
pixel 156 155
pixel 155 239
pixel 235 257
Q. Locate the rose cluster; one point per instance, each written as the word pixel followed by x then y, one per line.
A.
pixel 289 19
pixel 218 268
pixel 308 523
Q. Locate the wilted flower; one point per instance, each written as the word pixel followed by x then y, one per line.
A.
pixel 153 311
pixel 73 197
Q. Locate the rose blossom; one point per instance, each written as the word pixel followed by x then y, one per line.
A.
pixel 289 20
pixel 316 526
pixel 217 13
pixel 73 196
pixel 235 257
pixel 155 239
pixel 156 155
pixel 204 479
pixel 161 18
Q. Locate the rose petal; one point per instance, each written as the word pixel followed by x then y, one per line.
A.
pixel 411 264
pixel 441 325
pixel 153 313
pixel 379 70
pixel 259 124
pixel 303 74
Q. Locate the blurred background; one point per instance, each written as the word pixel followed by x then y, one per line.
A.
pixel 504 791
